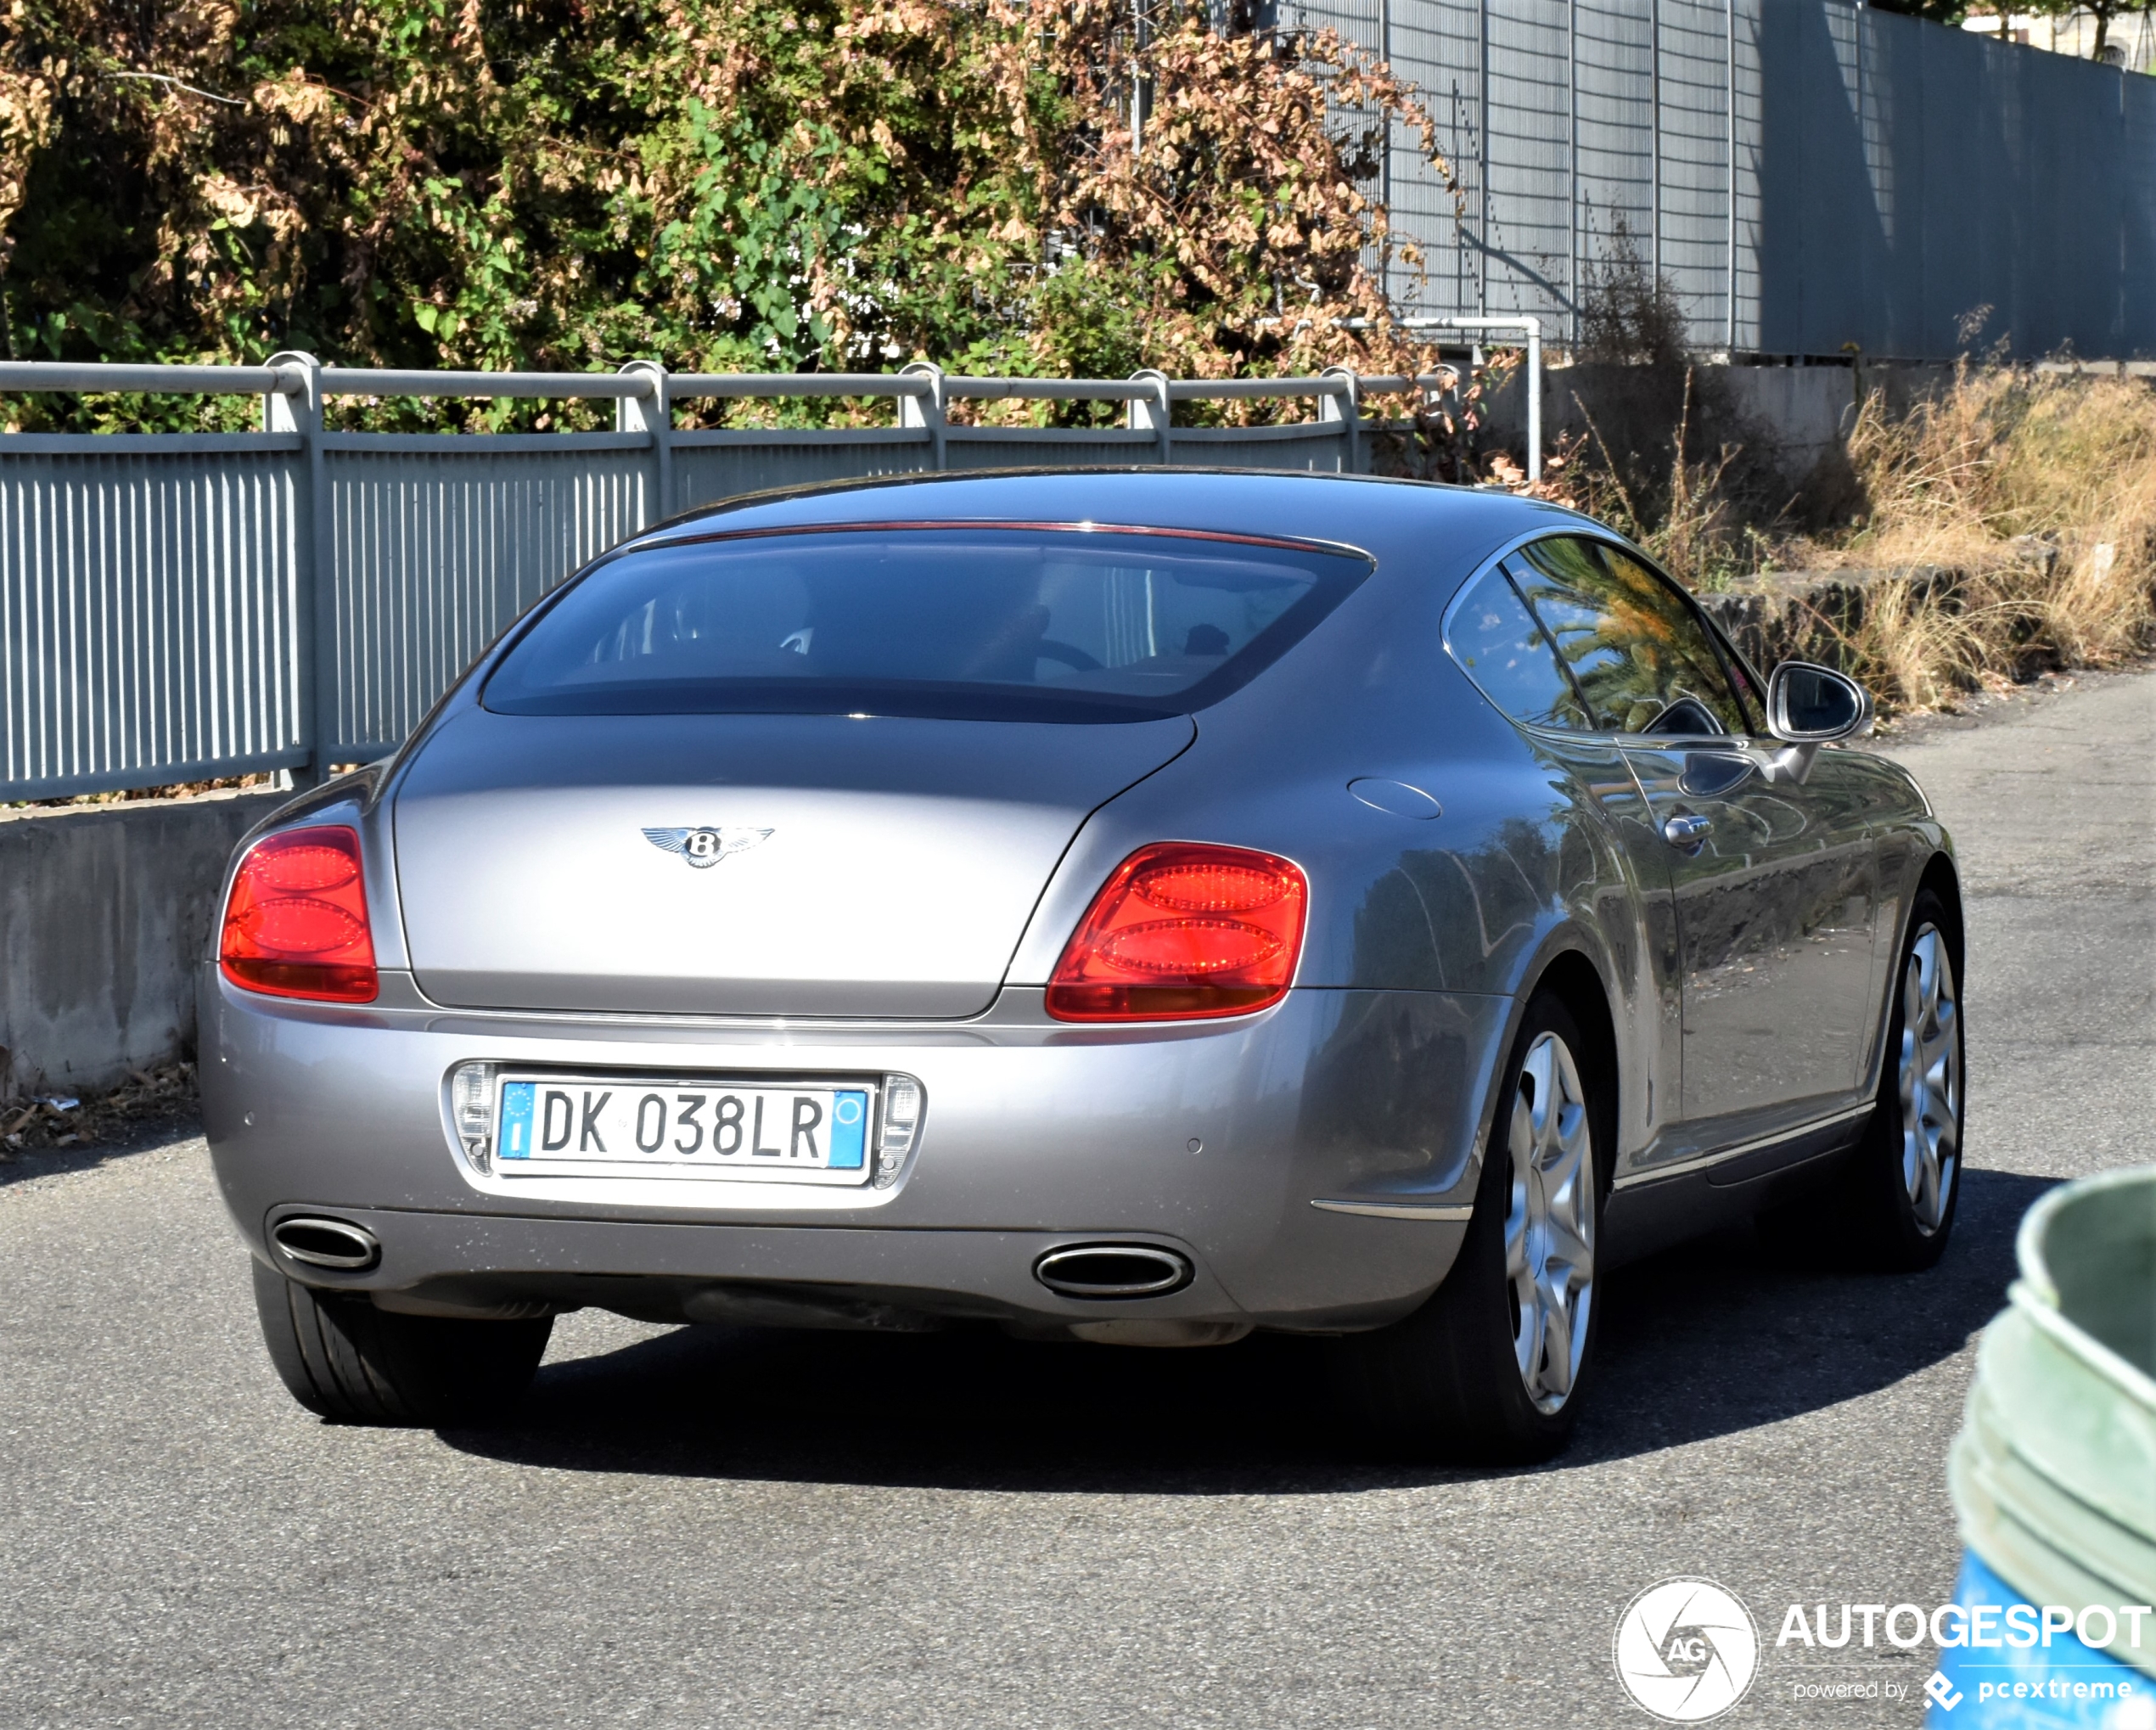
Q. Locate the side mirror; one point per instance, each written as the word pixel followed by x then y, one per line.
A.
pixel 1809 704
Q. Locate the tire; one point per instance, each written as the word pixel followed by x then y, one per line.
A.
pixel 1469 1376
pixel 350 1362
pixel 1903 1182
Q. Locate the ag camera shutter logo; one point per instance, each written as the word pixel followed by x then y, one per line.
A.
pixel 1686 1650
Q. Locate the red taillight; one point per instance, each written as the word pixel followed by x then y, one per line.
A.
pixel 295 925
pixel 1183 930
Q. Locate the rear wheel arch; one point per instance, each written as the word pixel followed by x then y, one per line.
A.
pixel 1471 1375
pixel 1940 877
pixel 1574 980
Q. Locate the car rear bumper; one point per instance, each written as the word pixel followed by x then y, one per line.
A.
pixel 1035 1135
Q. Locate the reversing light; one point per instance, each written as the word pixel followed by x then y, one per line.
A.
pixel 471 1103
pixel 900 1126
pixel 295 923
pixel 1184 929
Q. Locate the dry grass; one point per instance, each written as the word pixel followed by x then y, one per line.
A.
pixel 2019 507
pixel 2039 490
pixel 1699 515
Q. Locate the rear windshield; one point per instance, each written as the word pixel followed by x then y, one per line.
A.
pixel 972 623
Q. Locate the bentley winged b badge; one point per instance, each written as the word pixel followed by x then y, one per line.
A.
pixel 704 847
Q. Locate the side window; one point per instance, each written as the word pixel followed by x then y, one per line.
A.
pixel 1501 648
pixel 1642 660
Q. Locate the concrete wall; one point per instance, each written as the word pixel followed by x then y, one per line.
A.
pixel 1794 418
pixel 103 913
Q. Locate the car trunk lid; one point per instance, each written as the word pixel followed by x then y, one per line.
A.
pixel 751 864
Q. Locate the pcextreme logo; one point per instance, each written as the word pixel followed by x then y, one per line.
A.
pixel 1686 1650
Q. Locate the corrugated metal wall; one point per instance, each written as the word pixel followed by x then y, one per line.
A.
pixel 1808 174
pixel 437 543
pixel 148 610
pixel 177 607
pixel 710 466
pixel 1916 182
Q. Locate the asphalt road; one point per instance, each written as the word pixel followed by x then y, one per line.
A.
pixel 700 1527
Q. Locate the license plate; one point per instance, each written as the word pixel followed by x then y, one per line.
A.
pixel 572 1126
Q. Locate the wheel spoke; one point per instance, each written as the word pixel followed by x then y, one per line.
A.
pixel 1926 1196
pixel 1563 1151
pixel 1555 1371
pixel 1519 1190
pixel 1527 1344
pixel 1570 1239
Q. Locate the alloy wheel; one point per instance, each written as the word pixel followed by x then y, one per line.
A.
pixel 1930 1075
pixel 1549 1223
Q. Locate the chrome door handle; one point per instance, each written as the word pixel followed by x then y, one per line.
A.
pixel 1686 832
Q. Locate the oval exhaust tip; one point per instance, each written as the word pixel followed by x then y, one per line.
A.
pixel 1112 1270
pixel 327 1243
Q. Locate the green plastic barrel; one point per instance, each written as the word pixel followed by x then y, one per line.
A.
pixel 2053 1475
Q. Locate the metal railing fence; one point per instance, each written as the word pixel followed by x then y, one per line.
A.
pixel 183 606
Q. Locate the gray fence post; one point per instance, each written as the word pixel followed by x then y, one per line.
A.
pixel 1152 413
pixel 1341 404
pixel 314 577
pixel 653 415
pixel 926 411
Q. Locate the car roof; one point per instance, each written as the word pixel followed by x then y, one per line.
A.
pixel 1381 516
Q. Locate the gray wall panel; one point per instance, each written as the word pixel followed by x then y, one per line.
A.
pixel 738 462
pixel 1617 142
pixel 2137 279
pixel 1694 210
pixel 1017 448
pixel 1529 257
pixel 146 613
pixel 1806 174
pixel 1913 176
pixel 1312 449
pixel 434 550
pixel 1741 330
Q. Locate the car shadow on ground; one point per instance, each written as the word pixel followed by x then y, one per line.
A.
pixel 1711 1338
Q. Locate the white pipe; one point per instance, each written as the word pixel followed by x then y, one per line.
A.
pixel 1531 328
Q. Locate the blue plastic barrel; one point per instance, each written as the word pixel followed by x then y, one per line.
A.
pixel 2054 1478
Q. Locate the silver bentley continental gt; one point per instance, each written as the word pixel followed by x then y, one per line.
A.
pixel 1138 906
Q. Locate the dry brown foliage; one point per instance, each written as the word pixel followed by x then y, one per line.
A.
pixel 155 1095
pixel 2035 495
pixel 719 184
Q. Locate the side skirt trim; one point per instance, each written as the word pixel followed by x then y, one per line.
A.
pixel 1739 1150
